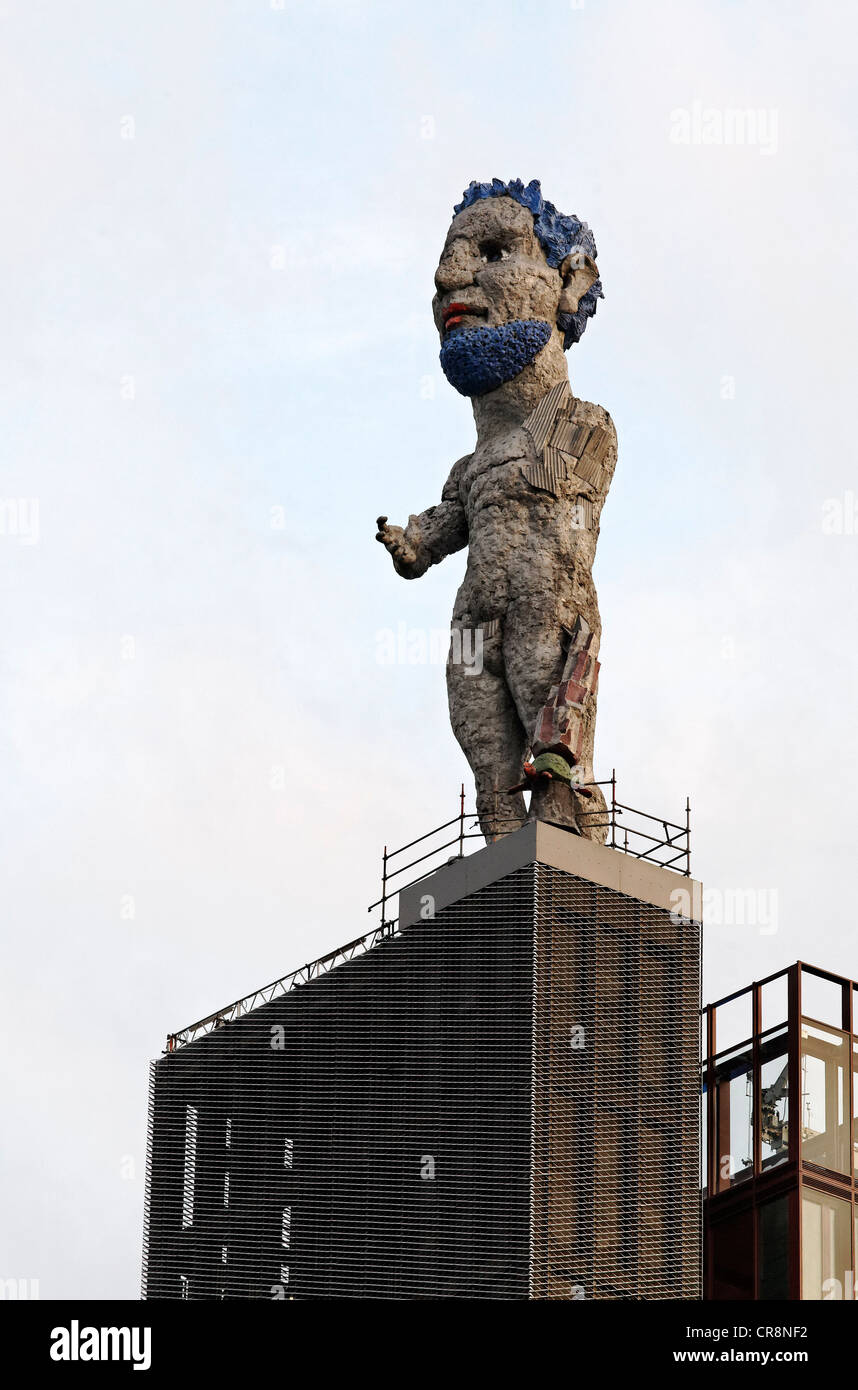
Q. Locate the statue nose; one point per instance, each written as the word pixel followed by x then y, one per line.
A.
pixel 454 272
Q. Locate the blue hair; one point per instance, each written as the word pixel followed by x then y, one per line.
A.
pixel 557 234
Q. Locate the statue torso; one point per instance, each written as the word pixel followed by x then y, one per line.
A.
pixel 533 496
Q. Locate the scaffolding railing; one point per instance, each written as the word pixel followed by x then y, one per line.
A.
pixel 627 829
pixel 671 850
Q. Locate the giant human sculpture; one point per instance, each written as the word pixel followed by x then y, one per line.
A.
pixel 515 285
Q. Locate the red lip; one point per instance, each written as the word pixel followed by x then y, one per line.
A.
pixel 455 312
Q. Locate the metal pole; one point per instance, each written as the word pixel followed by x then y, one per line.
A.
pixel 614 808
pixel 384 886
pixel 688 837
pixel 462 822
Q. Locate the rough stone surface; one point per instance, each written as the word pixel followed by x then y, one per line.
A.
pixel 527 502
pixel 558 236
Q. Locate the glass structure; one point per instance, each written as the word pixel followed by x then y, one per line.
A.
pixel 779 1169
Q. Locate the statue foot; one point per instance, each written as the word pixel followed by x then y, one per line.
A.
pixel 593 815
pixel 553 800
pixel 556 798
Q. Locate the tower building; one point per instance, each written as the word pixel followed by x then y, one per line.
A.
pixel 495 1096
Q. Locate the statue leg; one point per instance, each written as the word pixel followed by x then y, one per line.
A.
pixel 487 726
pixel 541 670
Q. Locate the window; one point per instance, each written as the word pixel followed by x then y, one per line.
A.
pixel 190 1167
pixel 733 1022
pixel 226 1189
pixel 825 1137
pixel 184 1285
pixel 821 999
pixel 826 1247
pixel 734 1110
pixel 774 1101
pixel 223 1254
pixel 774 1003
pixel 287 1153
pixel 731 1257
pixel 284 1276
pixel 229 1134
pixel 773 1236
pixel 855 1106
pixel 286 1227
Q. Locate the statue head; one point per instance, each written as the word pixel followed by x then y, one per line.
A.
pixel 513 273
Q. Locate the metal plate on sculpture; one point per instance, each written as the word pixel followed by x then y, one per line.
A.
pixel 538 424
pixel 547 473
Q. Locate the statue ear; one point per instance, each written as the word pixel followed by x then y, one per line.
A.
pixel 579 273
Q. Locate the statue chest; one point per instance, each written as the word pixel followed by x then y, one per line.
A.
pixel 494 471
pixel 509 478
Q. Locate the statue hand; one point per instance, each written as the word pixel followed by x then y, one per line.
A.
pixel 394 540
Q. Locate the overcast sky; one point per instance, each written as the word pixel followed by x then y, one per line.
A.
pixel 220 226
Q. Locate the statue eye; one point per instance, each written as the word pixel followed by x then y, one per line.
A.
pixel 491 251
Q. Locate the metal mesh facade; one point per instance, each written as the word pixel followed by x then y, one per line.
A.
pixel 616 1199
pixel 427 1120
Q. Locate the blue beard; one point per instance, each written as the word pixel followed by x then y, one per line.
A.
pixel 477 360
